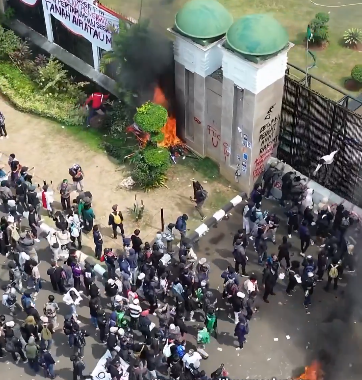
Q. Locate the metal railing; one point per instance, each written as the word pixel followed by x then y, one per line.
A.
pixel 324 88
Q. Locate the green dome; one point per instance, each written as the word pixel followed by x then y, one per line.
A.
pixel 257 35
pixel 203 19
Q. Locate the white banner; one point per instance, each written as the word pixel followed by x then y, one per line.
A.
pixel 100 372
pixel 29 2
pixel 83 18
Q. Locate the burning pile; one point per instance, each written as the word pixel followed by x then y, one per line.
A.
pixel 312 372
pixel 169 129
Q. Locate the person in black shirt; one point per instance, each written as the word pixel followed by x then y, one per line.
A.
pixel 56 277
pixel 200 196
pixel 284 251
pixel 94 304
pixel 102 324
pixel 21 193
pixel 115 370
pixel 93 290
pixel 33 198
pixel 136 241
pixel 33 219
pixel 78 367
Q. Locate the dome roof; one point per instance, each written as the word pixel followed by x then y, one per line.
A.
pixel 258 34
pixel 203 19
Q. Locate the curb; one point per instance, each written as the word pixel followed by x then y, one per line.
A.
pixel 194 237
pixel 218 215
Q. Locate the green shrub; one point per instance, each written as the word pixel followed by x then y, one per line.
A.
pixel 148 178
pixel 151 117
pixel 323 17
pixel 26 96
pixel 352 36
pixel 156 157
pixel 356 73
pixel 9 42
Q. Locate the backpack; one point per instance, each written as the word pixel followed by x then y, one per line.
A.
pixel 46 334
pixel 181 351
pixel 179 223
pixel 252 216
pixel 9 345
pixel 204 193
pixel 68 327
pixel 345 222
pixel 117 219
pixel 50 310
pixel 333 272
pixel 14 234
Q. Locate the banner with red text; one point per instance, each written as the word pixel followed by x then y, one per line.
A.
pixel 84 18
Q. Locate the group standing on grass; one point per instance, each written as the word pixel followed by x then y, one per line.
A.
pixel 142 282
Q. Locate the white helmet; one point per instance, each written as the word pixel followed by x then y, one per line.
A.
pixel 310 274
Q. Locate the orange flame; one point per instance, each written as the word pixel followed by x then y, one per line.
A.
pixel 312 372
pixel 169 129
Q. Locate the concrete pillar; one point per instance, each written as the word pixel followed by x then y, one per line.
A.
pixel 193 63
pixel 252 99
pixel 48 22
pixel 95 51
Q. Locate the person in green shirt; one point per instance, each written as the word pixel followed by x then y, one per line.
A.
pixel 88 216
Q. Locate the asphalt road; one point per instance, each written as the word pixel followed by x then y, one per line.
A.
pixel 331 333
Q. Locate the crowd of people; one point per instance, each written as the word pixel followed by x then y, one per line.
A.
pixel 147 279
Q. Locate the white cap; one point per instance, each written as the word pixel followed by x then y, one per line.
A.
pixel 44 319
pixel 172 326
pixel 136 301
pixel 110 281
pixel 10 219
pixel 113 329
pixel 141 276
pixel 120 332
pixel 10 324
pixel 310 274
pixel 203 283
pixel 309 257
pixel 240 294
pixel 202 261
pixel 118 298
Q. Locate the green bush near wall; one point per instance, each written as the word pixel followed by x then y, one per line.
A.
pixel 26 96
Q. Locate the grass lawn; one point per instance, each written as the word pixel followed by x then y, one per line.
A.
pixel 334 64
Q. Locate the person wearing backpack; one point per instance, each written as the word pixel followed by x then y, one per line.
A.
pixel 333 270
pixel 115 220
pixel 32 353
pixel 268 178
pixel 180 224
pixel 287 184
pixel 50 310
pixel 46 331
pixel 200 195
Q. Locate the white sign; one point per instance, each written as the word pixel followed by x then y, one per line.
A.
pixel 84 18
pixel 29 2
pixel 100 372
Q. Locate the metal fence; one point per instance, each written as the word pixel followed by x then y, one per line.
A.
pixel 313 126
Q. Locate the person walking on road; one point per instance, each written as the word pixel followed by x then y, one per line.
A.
pixel 333 270
pixel 304 235
pixel 3 132
pixel 65 191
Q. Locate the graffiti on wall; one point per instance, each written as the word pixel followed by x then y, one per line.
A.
pixel 215 136
pixel 268 139
pixel 84 18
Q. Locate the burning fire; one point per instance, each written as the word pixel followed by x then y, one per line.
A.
pixel 169 129
pixel 312 372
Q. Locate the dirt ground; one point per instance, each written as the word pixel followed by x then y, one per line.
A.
pixel 51 150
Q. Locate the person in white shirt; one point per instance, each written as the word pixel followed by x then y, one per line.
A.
pixel 251 284
pixel 54 245
pixel 192 357
pixel 63 238
pixel 73 299
pixel 75 226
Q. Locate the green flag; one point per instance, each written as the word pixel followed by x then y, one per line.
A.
pixel 309 33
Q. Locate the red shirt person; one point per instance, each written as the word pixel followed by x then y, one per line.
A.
pixel 95 101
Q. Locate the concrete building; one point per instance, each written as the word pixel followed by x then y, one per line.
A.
pixel 229 84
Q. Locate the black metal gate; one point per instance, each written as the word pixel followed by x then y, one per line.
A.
pixel 313 126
